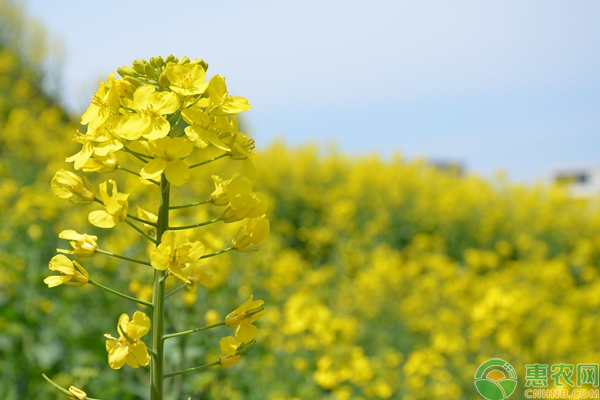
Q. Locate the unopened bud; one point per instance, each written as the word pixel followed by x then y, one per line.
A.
pixel 139 66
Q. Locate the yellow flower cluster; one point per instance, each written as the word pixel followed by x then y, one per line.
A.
pixel 139 119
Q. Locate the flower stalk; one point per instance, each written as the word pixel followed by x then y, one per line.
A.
pixel 158 297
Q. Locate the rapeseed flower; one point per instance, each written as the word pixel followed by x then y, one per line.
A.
pixel 67 185
pixel 174 253
pixel 221 102
pixel 242 318
pixel 187 79
pixel 84 245
pixel 72 273
pixel 229 351
pixel 129 348
pixel 168 154
pixel 104 104
pixel 115 207
pixel 148 118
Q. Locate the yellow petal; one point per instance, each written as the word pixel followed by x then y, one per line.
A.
pixel 138 326
pixel 63 264
pixel 173 239
pixel 160 257
pixel 154 168
pixel 56 280
pixel 245 332
pixel 235 105
pixel 139 351
pixel 195 251
pixel 159 128
pixel 132 126
pixel 196 135
pixel 178 148
pixel 101 219
pixel 229 345
pixel 177 172
pixel 117 356
pixel 143 97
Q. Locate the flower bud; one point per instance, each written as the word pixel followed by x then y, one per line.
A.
pixel 127 71
pixel 157 62
pixel 163 80
pixel 149 71
pixel 78 393
pixel 183 60
pixel 201 63
pixel 139 66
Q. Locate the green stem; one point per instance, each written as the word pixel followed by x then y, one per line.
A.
pixel 136 174
pixel 158 298
pixel 204 328
pixel 198 225
pixel 109 290
pixel 141 232
pixel 171 293
pixel 216 253
pixel 208 161
pixel 62 389
pixel 199 203
pixel 108 253
pixel 139 156
pixel 187 371
pixel 142 220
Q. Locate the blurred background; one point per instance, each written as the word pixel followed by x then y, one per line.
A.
pixel 433 172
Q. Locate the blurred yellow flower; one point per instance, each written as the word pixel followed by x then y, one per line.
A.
pixel 196 273
pixel 73 274
pixel 245 205
pixel 253 232
pixel 212 317
pixel 243 317
pixel 129 348
pixel 84 245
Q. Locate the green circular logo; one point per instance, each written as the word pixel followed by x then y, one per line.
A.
pixel 495 379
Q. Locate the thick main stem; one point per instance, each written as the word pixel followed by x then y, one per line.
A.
pixel 158 298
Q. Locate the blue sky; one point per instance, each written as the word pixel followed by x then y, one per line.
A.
pixel 510 84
